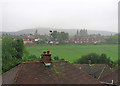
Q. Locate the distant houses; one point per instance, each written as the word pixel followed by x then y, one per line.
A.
pixel 28 39
pixel 81 37
pixel 28 42
pixel 88 39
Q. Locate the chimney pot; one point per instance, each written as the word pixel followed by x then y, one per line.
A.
pixel 44 52
pixel 48 52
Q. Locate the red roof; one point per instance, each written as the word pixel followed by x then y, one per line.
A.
pixel 27 40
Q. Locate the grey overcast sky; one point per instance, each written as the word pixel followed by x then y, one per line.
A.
pixel 65 14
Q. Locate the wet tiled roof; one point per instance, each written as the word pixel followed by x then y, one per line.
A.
pixel 9 76
pixel 95 70
pixel 112 76
pixel 37 73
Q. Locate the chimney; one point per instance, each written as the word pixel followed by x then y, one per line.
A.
pixel 48 52
pixel 46 58
pixel 44 53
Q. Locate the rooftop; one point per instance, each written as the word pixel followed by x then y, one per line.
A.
pixel 112 76
pixel 58 73
pixel 95 70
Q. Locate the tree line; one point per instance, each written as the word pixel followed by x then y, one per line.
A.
pixel 94 58
pixel 59 36
pixel 113 39
pixel 55 36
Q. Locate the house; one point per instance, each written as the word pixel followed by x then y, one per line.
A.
pixel 29 39
pixel 42 37
pixel 87 39
pixel 95 70
pixel 61 72
pixel 26 39
pixel 28 42
pixel 53 42
pixel 112 78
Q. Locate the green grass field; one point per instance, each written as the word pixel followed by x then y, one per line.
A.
pixel 73 52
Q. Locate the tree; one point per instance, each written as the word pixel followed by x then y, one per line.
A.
pixel 41 42
pixel 112 39
pixel 59 36
pixel 119 38
pixel 12 48
pixel 103 58
pixel 19 46
pixel 77 32
pixel 63 36
pixel 94 58
pixel 7 48
pixel 83 32
pixel 11 51
pixel 56 58
pixel 55 35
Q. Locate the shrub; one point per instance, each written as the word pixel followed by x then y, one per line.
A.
pixel 56 58
pixel 94 58
pixel 10 63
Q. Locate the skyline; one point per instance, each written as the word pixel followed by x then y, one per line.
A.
pixel 62 14
pixel 59 29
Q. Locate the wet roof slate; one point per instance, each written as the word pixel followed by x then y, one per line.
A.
pixel 112 76
pixel 36 73
pixel 95 70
